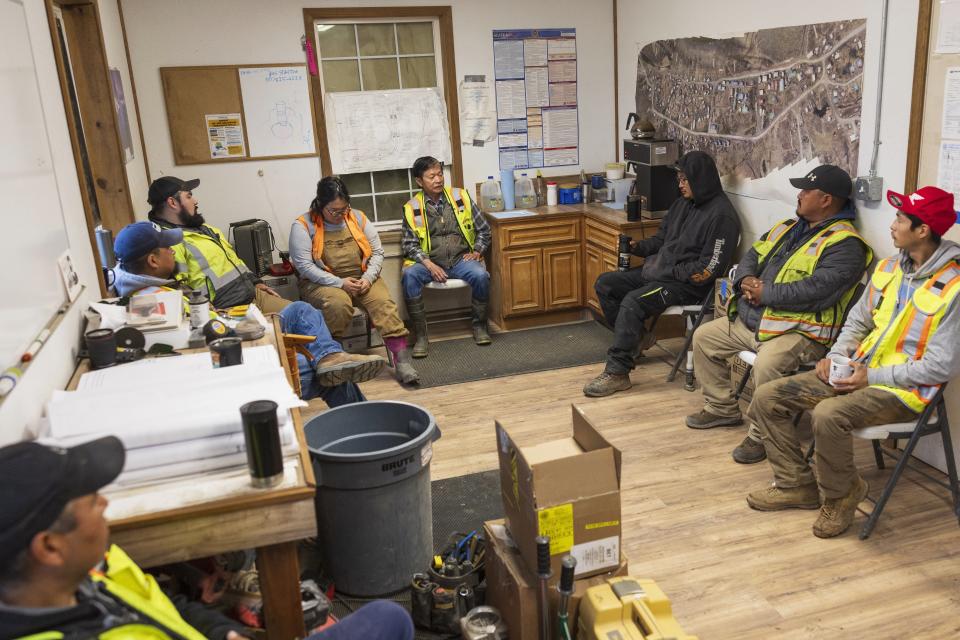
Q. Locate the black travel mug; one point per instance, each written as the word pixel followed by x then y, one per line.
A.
pixel 262 436
pixel 623 253
pixel 226 352
pixel 101 347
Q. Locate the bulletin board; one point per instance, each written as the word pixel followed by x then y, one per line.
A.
pixel 232 113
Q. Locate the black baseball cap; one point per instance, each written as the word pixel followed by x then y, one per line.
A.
pixel 827 178
pixel 166 186
pixel 37 482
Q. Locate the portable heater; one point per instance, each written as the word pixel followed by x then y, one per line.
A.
pixel 253 241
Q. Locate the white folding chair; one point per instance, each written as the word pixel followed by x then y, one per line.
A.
pixel 693 314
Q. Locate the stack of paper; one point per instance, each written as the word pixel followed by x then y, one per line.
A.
pixel 175 415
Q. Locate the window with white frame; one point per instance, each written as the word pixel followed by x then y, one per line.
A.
pixel 373 55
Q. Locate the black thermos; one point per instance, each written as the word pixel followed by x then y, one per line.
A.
pixel 623 253
pixel 262 436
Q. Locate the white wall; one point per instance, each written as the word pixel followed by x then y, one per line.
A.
pixel 640 23
pixel 251 31
pixel 52 368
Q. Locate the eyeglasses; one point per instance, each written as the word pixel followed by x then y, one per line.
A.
pixel 682 179
pixel 337 213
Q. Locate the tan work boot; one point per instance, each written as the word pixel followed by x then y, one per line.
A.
pixel 337 368
pixel 773 498
pixel 606 384
pixel 836 514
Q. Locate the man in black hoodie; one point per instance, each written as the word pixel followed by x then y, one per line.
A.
pixel 695 243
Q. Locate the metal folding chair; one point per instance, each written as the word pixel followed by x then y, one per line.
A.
pixel 694 314
pixel 933 420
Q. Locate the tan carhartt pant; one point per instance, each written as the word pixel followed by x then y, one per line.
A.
pixel 716 342
pixel 337 307
pixel 833 416
pixel 269 303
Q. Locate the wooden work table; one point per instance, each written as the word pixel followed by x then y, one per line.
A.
pixel 216 512
pixel 543 266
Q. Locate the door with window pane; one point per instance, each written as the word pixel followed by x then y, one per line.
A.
pixel 378 55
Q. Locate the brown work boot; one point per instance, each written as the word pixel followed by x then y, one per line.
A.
pixel 337 368
pixel 773 498
pixel 750 451
pixel 606 384
pixel 836 514
pixel 706 420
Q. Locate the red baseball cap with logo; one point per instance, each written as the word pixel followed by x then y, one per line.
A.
pixel 932 205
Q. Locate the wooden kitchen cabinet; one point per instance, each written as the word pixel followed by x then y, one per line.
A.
pixel 543 266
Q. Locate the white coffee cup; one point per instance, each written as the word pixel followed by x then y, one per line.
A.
pixel 840 367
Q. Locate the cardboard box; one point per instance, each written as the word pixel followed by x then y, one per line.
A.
pixel 512 589
pixel 567 489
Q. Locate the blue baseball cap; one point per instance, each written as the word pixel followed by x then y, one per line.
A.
pixel 140 238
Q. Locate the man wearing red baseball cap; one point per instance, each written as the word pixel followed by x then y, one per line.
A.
pixel 901 340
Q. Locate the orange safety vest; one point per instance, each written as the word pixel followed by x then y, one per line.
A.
pixel 314 227
pixel 902 335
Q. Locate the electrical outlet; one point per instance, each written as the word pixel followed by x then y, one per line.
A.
pixel 868 188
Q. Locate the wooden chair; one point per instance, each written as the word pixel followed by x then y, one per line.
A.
pixel 293 344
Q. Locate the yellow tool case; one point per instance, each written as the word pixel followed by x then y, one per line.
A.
pixel 628 609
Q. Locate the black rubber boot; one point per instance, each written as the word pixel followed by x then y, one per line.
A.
pixel 418 316
pixel 480 335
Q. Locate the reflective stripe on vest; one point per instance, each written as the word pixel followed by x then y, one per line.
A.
pixel 901 336
pixel 315 231
pixel 416 207
pixel 820 326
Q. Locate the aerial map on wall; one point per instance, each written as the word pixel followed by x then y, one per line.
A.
pixel 760 101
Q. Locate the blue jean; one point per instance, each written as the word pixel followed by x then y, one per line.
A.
pixel 379 620
pixel 304 319
pixel 470 271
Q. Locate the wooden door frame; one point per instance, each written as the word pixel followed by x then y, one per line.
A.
pixel 444 14
pixel 91 77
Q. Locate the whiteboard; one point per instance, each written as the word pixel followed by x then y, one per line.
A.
pixel 380 130
pixel 276 104
pixel 34 233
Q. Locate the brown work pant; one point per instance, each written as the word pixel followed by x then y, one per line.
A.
pixel 337 307
pixel 716 342
pixel 269 303
pixel 833 416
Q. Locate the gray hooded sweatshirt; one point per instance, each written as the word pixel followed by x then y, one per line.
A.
pixel 941 359
pixel 127 283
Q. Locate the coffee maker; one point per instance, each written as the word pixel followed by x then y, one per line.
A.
pixel 656 182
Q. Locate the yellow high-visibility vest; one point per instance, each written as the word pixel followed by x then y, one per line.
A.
pixel 902 335
pixel 821 326
pixel 416 208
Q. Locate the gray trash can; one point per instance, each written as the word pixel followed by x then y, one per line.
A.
pixel 374 518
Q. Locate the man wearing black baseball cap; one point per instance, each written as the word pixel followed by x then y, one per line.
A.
pixel 205 259
pixel 59 579
pixel 789 296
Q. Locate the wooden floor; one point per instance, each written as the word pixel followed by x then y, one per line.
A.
pixel 730 572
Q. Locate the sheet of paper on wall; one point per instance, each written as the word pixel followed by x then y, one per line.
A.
pixel 382 130
pixel 948 173
pixel 225 135
pixel 950 128
pixel 478 118
pixel 276 103
pixel 948 34
pixel 535 71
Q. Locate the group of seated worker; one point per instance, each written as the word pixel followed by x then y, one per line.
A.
pixel 59 578
pixel 338 257
pixel 794 304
